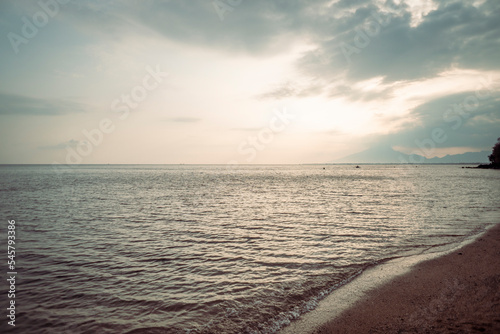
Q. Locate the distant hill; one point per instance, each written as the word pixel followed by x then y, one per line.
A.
pixel 388 155
pixel 469 157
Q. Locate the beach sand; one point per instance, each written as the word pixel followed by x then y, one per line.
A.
pixel 454 293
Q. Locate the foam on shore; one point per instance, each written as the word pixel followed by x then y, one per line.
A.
pixel 361 292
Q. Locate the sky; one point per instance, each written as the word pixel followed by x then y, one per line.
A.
pixel 245 81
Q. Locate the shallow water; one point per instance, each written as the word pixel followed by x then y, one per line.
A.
pixel 116 249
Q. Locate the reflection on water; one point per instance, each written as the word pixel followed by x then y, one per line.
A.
pixel 128 248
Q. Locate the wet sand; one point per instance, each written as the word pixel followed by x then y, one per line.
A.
pixel 454 293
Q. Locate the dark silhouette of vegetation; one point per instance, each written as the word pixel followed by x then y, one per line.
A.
pixel 494 157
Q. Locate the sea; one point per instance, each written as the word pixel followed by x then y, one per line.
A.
pixel 211 249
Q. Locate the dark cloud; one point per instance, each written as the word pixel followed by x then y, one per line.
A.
pixel 255 26
pixel 350 3
pixel 11 104
pixel 369 43
pixel 465 120
pixel 379 38
pixel 356 40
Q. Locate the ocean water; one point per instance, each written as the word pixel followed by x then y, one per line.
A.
pixel 204 249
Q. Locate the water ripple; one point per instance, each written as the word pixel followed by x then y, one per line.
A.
pixel 170 249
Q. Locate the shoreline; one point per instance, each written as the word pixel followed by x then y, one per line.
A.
pixel 456 290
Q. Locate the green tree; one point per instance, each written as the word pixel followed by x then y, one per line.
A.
pixel 495 155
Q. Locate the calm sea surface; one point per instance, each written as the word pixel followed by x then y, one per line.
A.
pixel 203 249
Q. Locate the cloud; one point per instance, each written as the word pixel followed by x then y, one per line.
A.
pixel 360 40
pixel 384 36
pixel 61 146
pixel 381 44
pixel 184 119
pixel 388 44
pixel 252 26
pixel 350 3
pixel 289 89
pixel 463 122
pixel 11 104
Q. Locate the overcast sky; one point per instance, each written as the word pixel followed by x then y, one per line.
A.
pixel 245 81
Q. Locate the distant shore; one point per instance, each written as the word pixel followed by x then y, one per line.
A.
pixel 489 166
pixel 455 293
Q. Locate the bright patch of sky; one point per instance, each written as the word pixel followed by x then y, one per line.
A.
pixel 249 82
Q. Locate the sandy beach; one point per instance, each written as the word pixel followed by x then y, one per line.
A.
pixel 455 293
